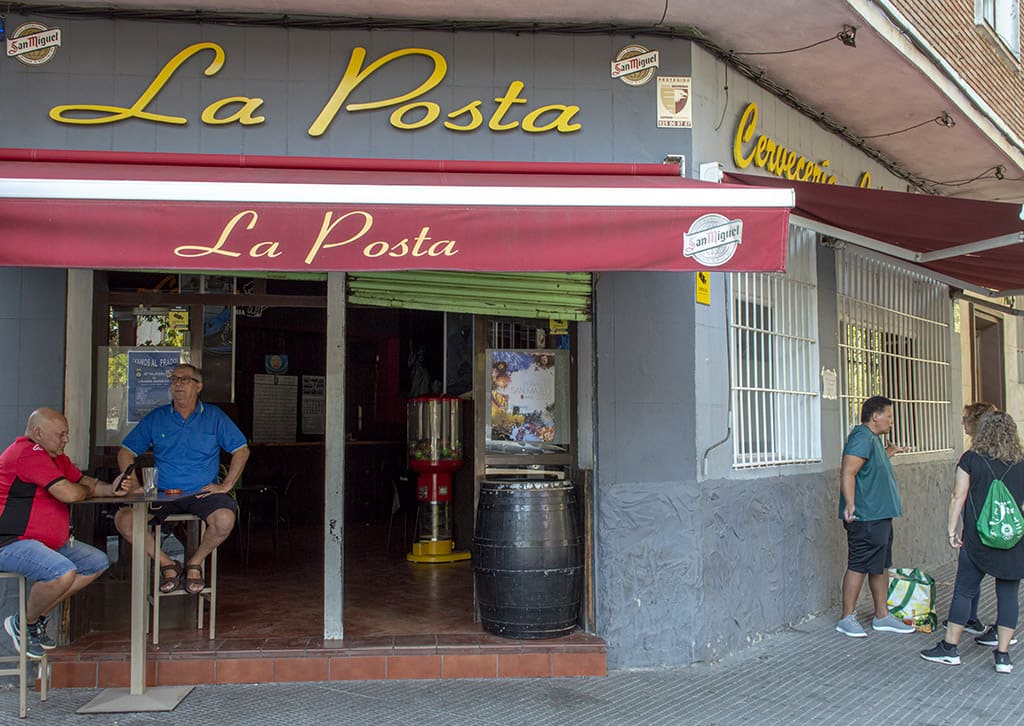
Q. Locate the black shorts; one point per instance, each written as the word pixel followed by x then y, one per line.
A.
pixel 201 508
pixel 870 546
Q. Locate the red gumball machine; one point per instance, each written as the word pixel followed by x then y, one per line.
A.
pixel 435 451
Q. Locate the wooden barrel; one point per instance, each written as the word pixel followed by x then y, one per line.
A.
pixel 527 558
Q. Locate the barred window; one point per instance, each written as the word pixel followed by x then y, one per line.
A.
pixel 773 333
pixel 894 341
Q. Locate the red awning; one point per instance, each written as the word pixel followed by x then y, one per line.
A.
pixel 169 211
pixel 969 243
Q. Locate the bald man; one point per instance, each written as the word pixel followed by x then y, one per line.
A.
pixel 37 482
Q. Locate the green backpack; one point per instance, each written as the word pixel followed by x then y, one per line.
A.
pixel 1000 523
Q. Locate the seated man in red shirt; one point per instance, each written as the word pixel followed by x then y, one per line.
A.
pixel 37 481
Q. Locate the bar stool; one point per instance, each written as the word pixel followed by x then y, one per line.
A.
pixel 207 595
pixel 21 659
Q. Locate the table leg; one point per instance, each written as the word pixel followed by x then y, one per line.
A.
pixel 136 697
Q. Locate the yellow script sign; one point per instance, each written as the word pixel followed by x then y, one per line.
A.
pixel 407 112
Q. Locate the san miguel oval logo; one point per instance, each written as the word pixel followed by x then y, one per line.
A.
pixel 635 65
pixel 712 239
pixel 33 43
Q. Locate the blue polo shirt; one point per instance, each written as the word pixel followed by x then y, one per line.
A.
pixel 875 494
pixel 187 451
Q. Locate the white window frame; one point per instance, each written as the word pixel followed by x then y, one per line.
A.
pixel 894 340
pixel 773 361
pixel 1000 20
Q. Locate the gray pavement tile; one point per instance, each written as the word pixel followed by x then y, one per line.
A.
pixel 805 674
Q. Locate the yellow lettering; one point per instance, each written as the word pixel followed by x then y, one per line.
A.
pixel 243 115
pixel 372 249
pixel 265 249
pixel 328 226
pixel 400 250
pixel 475 117
pixel 445 247
pixel 865 180
pixel 744 132
pixel 420 239
pixel 355 74
pixel 202 251
pixel 562 123
pixel 110 114
pixel 761 151
pixel 787 168
pixel 504 104
pixel 431 112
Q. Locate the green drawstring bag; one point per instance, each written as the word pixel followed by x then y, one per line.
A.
pixel 1000 523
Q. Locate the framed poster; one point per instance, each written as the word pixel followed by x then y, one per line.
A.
pixel 148 381
pixel 529 399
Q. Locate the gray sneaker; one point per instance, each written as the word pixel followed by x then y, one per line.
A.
pixel 32 647
pixel 889 624
pixel 850 627
pixel 991 637
pixel 37 631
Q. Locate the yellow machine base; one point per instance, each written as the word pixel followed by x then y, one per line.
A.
pixel 439 551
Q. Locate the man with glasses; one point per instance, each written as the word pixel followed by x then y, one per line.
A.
pixel 37 482
pixel 187 437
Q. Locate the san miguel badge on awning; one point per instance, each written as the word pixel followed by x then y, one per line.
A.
pixel 33 43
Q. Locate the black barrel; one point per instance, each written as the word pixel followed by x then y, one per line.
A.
pixel 527 558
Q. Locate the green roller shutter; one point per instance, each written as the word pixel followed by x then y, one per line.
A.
pixel 561 295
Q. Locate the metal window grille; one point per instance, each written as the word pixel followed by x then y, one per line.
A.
pixel 773 336
pixel 894 341
pixel 514 334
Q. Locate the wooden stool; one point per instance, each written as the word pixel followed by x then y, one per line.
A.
pixel 207 595
pixel 21 659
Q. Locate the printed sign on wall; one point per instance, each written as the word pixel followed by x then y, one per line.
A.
pixel 674 108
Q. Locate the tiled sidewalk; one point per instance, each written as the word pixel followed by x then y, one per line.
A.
pixel 807 674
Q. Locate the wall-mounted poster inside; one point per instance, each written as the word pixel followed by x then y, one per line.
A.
pixel 529 409
pixel 148 379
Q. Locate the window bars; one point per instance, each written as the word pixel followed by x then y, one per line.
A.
pixel 773 334
pixel 894 340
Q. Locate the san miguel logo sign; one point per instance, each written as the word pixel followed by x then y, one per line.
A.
pixel 712 239
pixel 33 43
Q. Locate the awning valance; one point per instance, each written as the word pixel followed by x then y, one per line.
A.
pixel 970 243
pixel 123 210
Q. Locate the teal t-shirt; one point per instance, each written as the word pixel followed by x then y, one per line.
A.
pixel 875 493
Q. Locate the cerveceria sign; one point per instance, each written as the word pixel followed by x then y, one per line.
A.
pixel 766 153
pixel 408 110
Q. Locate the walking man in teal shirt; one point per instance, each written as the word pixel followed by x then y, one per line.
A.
pixel 868 501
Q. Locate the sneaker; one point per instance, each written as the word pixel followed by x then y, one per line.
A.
pixel 37 631
pixel 943 652
pixel 974 627
pixel 890 624
pixel 850 627
pixel 1003 662
pixel 991 638
pixel 32 647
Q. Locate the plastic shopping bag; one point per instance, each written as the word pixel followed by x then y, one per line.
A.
pixel 912 598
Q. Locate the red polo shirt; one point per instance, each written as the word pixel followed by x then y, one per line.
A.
pixel 27 509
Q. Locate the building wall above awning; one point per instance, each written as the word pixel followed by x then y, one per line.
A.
pixel 971 243
pixel 166 211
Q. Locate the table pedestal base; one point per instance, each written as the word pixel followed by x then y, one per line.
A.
pixel 120 700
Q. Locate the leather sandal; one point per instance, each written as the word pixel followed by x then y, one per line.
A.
pixel 194 585
pixel 170 583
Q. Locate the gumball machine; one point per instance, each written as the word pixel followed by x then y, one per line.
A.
pixel 435 451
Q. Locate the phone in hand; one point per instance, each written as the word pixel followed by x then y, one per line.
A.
pixel 127 473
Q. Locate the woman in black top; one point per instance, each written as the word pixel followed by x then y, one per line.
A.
pixel 995 453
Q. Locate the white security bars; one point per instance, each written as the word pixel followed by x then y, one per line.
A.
pixel 773 351
pixel 894 341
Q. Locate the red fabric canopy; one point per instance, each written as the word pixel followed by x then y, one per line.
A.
pixel 165 211
pixel 976 243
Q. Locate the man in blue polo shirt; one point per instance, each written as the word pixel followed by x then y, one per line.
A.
pixel 868 501
pixel 187 436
